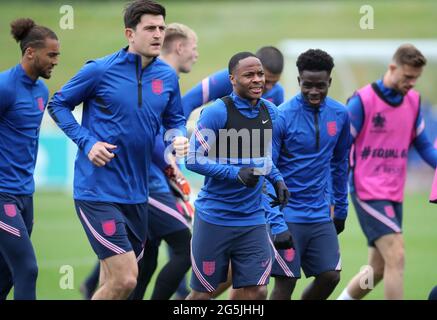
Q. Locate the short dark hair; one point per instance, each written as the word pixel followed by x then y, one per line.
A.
pixel 271 59
pixel 315 60
pixel 407 54
pixel 29 34
pixel 237 58
pixel 136 9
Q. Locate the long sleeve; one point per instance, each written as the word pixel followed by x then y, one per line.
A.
pixel 274 216
pixel 339 168
pixel 356 115
pixel 77 90
pixel 273 174
pixel 422 144
pixel 211 88
pixel 211 120
pixel 173 117
pixel 193 99
pixel 158 155
pixel 278 135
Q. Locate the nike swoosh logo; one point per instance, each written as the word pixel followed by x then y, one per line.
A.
pixel 265 121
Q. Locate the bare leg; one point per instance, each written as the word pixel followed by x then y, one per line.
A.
pixel 283 288
pixel 392 250
pixel 363 282
pixel 252 293
pixel 196 295
pixel 118 277
pixel 322 286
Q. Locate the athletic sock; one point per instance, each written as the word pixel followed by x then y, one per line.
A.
pixel 345 295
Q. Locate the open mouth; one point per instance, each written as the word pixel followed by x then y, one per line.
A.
pixel 257 90
pixel 314 100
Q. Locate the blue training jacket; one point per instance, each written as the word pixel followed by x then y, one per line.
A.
pixel 223 200
pixel 22 103
pixel 217 86
pixel 157 179
pixel 124 105
pixel 309 146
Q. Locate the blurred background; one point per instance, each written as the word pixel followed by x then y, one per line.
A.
pixel 361 52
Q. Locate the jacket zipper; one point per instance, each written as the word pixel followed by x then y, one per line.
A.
pixel 316 123
pixel 140 83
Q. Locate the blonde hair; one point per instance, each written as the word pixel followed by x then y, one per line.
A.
pixel 176 31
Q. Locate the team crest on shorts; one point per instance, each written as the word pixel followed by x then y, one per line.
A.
pixel 109 227
pixel 10 210
pixel 157 86
pixel 289 254
pixel 208 267
pixel 332 128
pixel 389 211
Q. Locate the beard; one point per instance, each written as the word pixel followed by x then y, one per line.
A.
pixel 41 71
pixel 45 75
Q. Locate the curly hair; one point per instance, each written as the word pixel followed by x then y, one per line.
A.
pixel 315 60
pixel 29 34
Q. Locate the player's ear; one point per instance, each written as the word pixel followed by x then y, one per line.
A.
pixel 232 79
pixel 298 80
pixel 392 67
pixel 30 53
pixel 129 32
pixel 179 47
pixel 329 82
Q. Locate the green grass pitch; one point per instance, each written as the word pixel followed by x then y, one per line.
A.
pixel 223 29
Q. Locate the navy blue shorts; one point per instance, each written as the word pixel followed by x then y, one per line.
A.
pixel 213 246
pixel 16 214
pixel 16 250
pixel 316 251
pixel 378 217
pixel 113 228
pixel 164 216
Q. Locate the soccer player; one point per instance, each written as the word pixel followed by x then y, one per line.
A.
pixel 230 224
pixel 218 85
pixel 310 147
pixel 23 97
pixel 386 119
pixel 165 219
pixel 126 97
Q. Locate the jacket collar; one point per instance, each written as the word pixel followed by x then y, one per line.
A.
pixel 22 75
pixel 242 103
pixel 132 57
